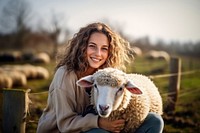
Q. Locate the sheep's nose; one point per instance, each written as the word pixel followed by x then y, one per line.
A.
pixel 103 107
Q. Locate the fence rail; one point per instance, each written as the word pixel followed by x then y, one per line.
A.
pixel 172 74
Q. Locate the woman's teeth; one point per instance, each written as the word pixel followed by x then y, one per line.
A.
pixel 95 59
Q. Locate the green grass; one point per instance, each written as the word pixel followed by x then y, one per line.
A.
pixel 186 117
pixel 147 67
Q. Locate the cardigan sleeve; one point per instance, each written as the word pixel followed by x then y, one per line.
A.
pixel 68 113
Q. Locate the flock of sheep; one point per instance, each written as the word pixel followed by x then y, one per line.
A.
pixel 17 56
pixel 18 75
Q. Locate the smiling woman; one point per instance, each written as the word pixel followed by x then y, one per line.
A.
pixel 95 46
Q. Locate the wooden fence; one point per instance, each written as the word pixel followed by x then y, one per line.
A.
pixel 15 108
pixel 16 102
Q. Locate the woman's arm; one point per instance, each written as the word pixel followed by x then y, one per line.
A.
pixel 68 115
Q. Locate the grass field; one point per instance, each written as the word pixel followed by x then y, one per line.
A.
pixel 185 118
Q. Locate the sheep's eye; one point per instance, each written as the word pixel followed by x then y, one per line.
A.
pixel 95 88
pixel 120 89
pixel 95 85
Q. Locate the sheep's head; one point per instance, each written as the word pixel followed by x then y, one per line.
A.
pixel 109 86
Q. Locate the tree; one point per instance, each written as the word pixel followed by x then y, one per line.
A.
pixel 12 20
pixel 55 29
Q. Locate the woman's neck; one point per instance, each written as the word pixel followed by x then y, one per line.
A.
pixel 89 71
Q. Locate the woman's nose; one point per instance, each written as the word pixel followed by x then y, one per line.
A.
pixel 98 51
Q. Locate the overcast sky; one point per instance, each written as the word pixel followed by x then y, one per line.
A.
pixel 177 20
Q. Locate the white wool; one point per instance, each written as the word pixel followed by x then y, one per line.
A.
pixel 134 108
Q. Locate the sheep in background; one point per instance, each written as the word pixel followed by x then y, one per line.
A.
pixel 153 54
pixel 13 56
pixel 137 51
pixel 5 80
pixel 41 58
pixel 30 71
pixel 42 73
pixel 117 95
pixel 18 78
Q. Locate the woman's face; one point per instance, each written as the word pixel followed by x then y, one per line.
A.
pixel 97 49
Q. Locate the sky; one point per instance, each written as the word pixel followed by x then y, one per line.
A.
pixel 169 20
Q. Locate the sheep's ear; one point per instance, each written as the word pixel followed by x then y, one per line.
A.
pixel 133 88
pixel 85 81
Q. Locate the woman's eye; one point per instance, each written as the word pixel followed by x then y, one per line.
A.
pixel 91 46
pixel 105 48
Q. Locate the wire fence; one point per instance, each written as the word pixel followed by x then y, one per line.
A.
pixel 153 77
pixel 150 76
pixel 172 74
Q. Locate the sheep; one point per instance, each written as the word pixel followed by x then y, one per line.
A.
pixel 27 69
pixel 41 58
pixel 6 57
pixel 18 78
pixel 5 80
pixel 117 95
pixel 162 55
pixel 13 56
pixel 30 71
pixel 42 73
pixel 137 51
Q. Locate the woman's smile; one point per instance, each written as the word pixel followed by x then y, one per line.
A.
pixel 95 59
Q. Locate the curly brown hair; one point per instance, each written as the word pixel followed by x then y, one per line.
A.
pixel 75 55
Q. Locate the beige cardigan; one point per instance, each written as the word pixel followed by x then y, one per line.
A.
pixel 66 103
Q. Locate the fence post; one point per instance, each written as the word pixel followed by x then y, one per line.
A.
pixel 174 84
pixel 15 107
pixel 1 109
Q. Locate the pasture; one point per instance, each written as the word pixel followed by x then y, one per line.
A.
pixel 185 118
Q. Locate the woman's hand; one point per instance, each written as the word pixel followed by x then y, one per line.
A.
pixel 114 126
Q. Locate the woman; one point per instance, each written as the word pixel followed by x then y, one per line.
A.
pixel 94 47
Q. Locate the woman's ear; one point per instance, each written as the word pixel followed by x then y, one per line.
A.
pixel 85 81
